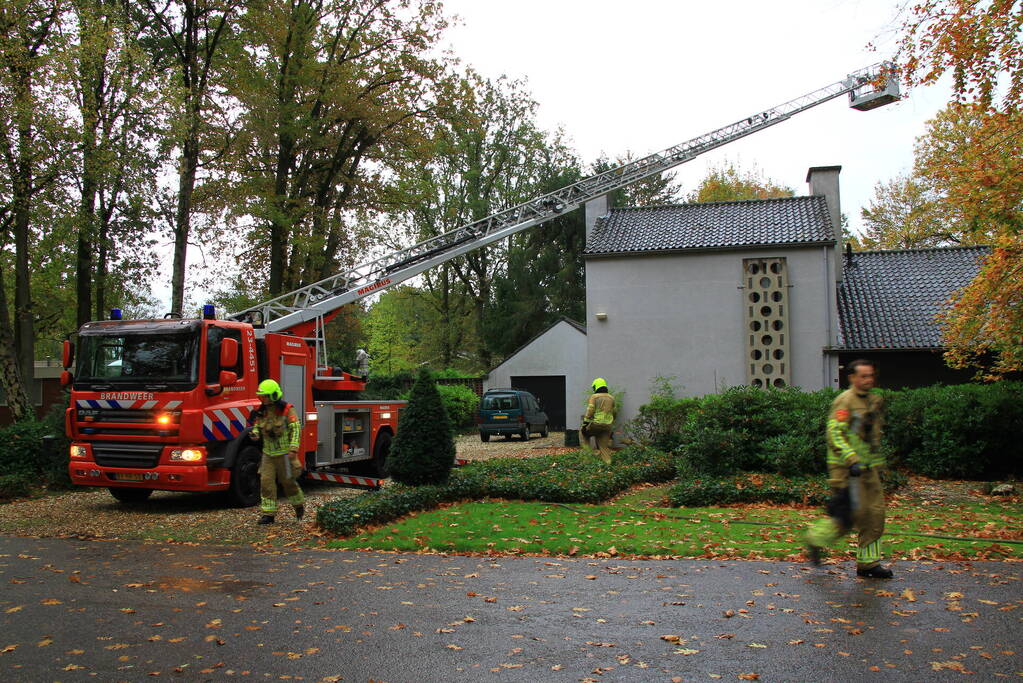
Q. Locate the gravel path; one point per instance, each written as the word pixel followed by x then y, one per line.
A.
pixel 205 518
pixel 469 446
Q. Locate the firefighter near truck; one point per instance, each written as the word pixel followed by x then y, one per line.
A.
pixel 164 404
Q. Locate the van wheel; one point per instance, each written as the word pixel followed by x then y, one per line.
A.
pixel 546 430
pixel 484 437
pixel 525 433
pixel 244 489
pixel 130 495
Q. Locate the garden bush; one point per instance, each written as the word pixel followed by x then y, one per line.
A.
pixel 461 405
pixel 567 478
pixel 26 463
pixel 965 431
pixel 662 422
pixel 699 489
pixel 423 450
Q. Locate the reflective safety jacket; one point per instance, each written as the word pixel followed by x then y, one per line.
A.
pixel 279 429
pixel 600 409
pixel 854 429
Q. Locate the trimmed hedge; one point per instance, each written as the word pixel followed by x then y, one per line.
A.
pixel 461 404
pixel 696 489
pixel 567 478
pixel 963 431
pixel 960 431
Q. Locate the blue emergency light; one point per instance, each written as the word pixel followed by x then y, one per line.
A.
pixel 209 312
pixel 115 313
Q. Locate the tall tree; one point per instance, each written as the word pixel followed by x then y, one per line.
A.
pixel 730 182
pixel 981 45
pixel 657 190
pixel 27 31
pixel 331 89
pixel 114 87
pixel 187 38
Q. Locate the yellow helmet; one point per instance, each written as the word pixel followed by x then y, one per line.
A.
pixel 598 383
pixel 270 388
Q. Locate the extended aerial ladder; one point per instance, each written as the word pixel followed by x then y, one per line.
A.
pixel 302 310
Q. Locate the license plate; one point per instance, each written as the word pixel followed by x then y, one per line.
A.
pixel 500 417
pixel 129 476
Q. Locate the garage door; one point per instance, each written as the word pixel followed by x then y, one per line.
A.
pixel 550 390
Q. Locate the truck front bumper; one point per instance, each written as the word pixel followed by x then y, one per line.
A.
pixel 161 477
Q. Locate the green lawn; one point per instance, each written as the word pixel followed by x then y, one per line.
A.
pixel 638 524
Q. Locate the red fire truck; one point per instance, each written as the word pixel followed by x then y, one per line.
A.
pixel 163 404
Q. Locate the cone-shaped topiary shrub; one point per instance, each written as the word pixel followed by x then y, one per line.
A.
pixel 423 450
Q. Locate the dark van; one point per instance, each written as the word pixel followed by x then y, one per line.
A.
pixel 511 411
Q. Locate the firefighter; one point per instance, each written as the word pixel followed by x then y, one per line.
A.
pixel 276 424
pixel 362 363
pixel 599 419
pixel 855 464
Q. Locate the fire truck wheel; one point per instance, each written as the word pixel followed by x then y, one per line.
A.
pixel 130 495
pixel 244 490
pixel 381 451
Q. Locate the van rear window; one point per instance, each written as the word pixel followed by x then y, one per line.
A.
pixel 501 402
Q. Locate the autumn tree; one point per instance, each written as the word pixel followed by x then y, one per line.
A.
pixel 330 91
pixel 114 87
pixel 657 190
pixel 488 154
pixel 187 41
pixel 730 182
pixel 31 126
pixel 980 44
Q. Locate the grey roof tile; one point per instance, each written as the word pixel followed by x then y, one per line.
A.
pixel 714 225
pixel 889 299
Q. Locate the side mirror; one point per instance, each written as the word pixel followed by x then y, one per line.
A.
pixel 228 378
pixel 228 353
pixel 68 355
pixel 66 377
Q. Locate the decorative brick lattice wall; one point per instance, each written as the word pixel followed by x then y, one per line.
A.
pixel 766 291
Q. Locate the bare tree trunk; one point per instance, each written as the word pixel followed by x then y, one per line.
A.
pixel 10 375
pixel 24 323
pixel 183 220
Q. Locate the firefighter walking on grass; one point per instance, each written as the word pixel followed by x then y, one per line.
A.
pixel 855 463
pixel 599 419
pixel 276 424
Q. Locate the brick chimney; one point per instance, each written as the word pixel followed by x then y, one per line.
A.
pixel 823 181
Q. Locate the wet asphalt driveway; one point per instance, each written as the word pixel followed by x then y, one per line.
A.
pixel 75 610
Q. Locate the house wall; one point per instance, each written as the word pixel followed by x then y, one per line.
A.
pixel 561 350
pixel 680 316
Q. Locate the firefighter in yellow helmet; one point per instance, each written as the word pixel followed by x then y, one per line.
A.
pixel 599 419
pixel 276 424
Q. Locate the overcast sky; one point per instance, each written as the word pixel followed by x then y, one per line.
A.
pixel 642 75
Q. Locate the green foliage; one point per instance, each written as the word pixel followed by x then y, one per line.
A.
pixel 24 460
pixel 699 489
pixel 729 182
pixel 662 422
pixel 387 387
pixel 967 431
pixel 423 450
pixel 461 405
pixel 568 478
